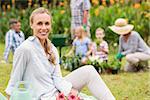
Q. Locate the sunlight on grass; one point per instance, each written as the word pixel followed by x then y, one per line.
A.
pixel 124 86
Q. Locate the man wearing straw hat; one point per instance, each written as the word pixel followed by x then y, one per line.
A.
pixel 131 45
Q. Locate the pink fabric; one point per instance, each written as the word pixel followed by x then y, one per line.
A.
pixel 97 50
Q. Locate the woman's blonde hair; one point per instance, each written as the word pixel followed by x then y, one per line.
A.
pixel 38 11
pixel 47 44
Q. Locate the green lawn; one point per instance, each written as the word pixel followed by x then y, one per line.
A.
pixel 124 86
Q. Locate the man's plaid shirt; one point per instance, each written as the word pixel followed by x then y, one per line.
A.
pixel 77 9
pixel 12 41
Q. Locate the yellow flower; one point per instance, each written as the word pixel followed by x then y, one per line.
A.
pixel 95 2
pixel 112 2
pixel 8 7
pixel 13 2
pixel 147 15
pixel 137 5
pixel 96 11
pixel 62 11
pixel 122 1
pixel 104 2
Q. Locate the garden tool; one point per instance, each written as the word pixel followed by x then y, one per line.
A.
pixel 21 92
pixel 119 56
pixel 2 97
pixel 84 27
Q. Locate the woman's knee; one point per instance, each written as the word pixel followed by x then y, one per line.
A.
pixel 132 59
pixel 90 70
pixel 129 57
pixel 89 67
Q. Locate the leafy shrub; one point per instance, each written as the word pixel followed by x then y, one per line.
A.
pixel 105 16
pixel 115 64
pixel 101 16
pixel 71 63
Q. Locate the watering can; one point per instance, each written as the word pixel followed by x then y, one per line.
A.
pixel 2 97
pixel 21 91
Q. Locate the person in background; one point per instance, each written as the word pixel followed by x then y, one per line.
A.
pixel 80 45
pixel 100 46
pixel 131 45
pixel 80 15
pixel 14 37
pixel 36 61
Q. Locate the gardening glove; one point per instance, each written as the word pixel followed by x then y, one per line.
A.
pixel 119 56
pixel 84 27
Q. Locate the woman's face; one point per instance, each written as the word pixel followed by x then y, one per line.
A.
pixel 126 35
pixel 41 25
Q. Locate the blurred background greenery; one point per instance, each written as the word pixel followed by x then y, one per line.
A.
pixel 103 13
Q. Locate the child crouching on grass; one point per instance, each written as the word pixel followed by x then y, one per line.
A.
pixel 80 45
pixel 99 47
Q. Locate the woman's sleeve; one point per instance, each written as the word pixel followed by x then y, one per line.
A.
pixel 20 61
pixel 132 44
pixel 120 47
pixel 62 85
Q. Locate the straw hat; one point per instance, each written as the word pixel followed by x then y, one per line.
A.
pixel 121 27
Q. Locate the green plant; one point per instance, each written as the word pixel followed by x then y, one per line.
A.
pixel 139 17
pixel 61 19
pixel 105 65
pixel 71 63
pixel 115 64
pixel 96 62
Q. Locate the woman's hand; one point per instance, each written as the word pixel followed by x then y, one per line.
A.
pixel 60 96
pixel 119 56
pixel 73 95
